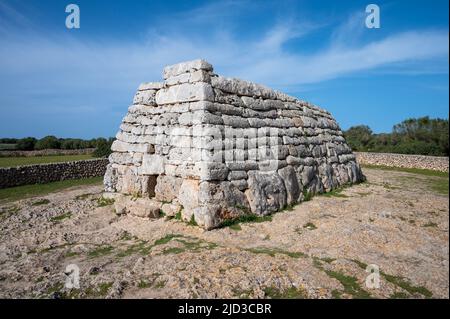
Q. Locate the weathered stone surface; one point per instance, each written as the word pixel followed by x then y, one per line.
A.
pixel 146 97
pixel 150 86
pixel 140 207
pixel 293 187
pixel 167 188
pixel 266 193
pixel 170 209
pixel 186 92
pixel 188 194
pixel 221 147
pixel 185 67
pixel 152 164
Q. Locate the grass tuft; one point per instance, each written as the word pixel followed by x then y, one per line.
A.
pixel 41 202
pixel 61 217
pixel 102 201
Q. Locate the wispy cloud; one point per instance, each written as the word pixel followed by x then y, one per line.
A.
pixel 99 72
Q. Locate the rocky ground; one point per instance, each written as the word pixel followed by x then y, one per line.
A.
pixel 319 249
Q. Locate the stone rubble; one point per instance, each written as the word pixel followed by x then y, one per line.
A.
pixel 219 148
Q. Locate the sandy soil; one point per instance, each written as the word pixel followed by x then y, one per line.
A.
pixel 319 249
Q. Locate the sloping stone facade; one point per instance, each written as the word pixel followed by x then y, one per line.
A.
pixel 214 148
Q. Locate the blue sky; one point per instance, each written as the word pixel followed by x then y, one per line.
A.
pixel 79 83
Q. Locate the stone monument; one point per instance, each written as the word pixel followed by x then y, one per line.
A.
pixel 206 149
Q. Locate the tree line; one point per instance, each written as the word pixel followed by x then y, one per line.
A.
pixel 423 136
pixel 101 145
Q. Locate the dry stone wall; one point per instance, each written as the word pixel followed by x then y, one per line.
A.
pixel 53 172
pixel 436 163
pixel 215 148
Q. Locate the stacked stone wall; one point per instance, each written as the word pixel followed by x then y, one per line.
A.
pixel 216 148
pixel 53 172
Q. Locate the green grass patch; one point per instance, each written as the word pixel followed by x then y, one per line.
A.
pixel 143 284
pixel 100 291
pixel 399 295
pixel 406 285
pixel 71 254
pixel 160 284
pixel 307 196
pixel 426 172
pixel 144 247
pixel 310 226
pixel 83 196
pixel 192 221
pixel 242 293
pixel 61 217
pixel 8 211
pixel 166 239
pixel 350 284
pixel 100 251
pixel 192 246
pixel 440 185
pixel 290 293
pixel 235 227
pixel 41 202
pixel 399 282
pixel 102 201
pixel 430 224
pixel 21 192
pixel 274 251
pixel 335 193
pixel 328 260
pixel 336 294
pixel 30 160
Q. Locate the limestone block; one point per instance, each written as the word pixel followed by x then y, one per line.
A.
pixel 188 194
pixel 240 184
pixel 140 207
pixel 110 179
pixel 291 184
pixel 209 171
pixel 167 188
pixel 190 66
pixel 186 92
pixel 228 197
pixel 123 147
pixel 195 76
pixel 266 192
pixel 152 164
pixel 307 175
pixel 150 86
pixel 237 175
pixel 145 97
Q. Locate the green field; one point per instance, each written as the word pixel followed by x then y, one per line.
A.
pixel 17 161
pixel 26 191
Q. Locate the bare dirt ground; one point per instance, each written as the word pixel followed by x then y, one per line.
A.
pixel 319 249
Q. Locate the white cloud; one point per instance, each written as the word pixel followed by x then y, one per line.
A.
pixel 32 63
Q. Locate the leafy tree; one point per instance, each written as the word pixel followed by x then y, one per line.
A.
pixel 7 140
pixel 47 143
pixel 26 144
pixel 412 136
pixel 103 147
pixel 358 137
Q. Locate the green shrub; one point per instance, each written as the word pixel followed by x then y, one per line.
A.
pixel 26 144
pixel 48 142
pixel 103 148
